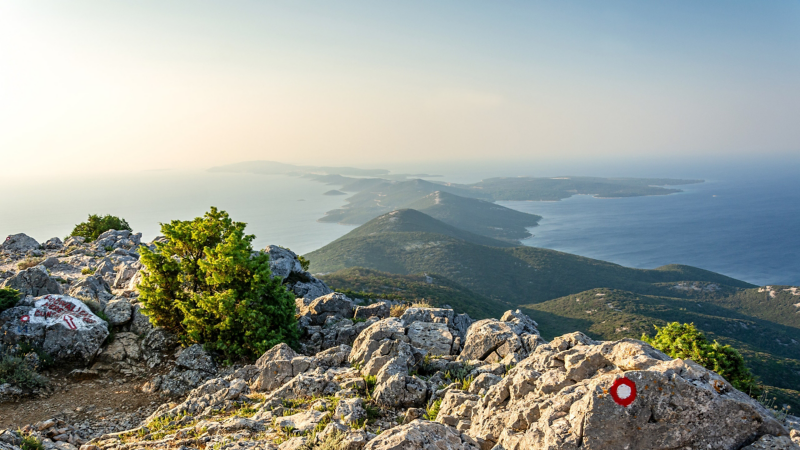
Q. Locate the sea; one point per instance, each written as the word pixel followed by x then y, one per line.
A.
pixel 740 222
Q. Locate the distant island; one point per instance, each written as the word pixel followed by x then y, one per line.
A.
pixel 468 206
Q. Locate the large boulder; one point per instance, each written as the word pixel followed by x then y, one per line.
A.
pixel 62 326
pixel 92 288
pixel 433 338
pixel 192 367
pixel 118 311
pixel 34 282
pixel 372 338
pixel 285 264
pixel 20 243
pixel 509 339
pixel 333 305
pixel 577 393
pixel 422 435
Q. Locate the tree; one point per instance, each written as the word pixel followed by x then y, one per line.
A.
pixel 685 341
pixel 97 225
pixel 206 284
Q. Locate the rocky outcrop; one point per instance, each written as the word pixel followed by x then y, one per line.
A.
pixel 422 435
pixel 578 393
pixel 284 264
pixel 35 282
pixel 18 243
pixel 92 288
pixel 62 326
pixel 507 340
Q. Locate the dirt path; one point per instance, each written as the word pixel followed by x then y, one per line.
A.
pixel 90 400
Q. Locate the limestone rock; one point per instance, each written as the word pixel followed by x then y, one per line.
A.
pixel 92 288
pixel 434 338
pixel 34 282
pixel 19 243
pixel 118 311
pixel 53 244
pixel 350 410
pixel 401 391
pixel 560 397
pixel 422 435
pixel 62 326
pixel 332 305
pixel 379 309
pixel 370 339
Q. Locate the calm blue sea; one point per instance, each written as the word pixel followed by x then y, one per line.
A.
pixel 740 224
pixel 745 227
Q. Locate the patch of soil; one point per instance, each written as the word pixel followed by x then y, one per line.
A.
pixel 90 399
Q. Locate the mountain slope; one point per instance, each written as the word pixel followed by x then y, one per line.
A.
pixel 516 275
pixel 477 216
pixel 412 221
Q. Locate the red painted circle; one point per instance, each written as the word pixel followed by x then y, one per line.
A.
pixel 623 391
pixel 25 318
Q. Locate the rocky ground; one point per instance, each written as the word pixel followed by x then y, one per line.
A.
pixel 376 376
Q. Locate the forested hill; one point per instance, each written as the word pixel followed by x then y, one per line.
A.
pixel 514 275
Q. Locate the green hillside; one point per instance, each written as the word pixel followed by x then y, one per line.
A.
pixel 477 216
pixel 772 350
pixel 437 290
pixel 515 275
pixel 412 221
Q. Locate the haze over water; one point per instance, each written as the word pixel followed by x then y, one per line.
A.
pixel 742 223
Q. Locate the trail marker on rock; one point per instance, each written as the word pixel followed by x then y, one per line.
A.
pixel 623 391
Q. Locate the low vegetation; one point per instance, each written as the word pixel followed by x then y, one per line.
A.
pixel 8 298
pixel 685 341
pixel 29 262
pixel 206 284
pixel 96 225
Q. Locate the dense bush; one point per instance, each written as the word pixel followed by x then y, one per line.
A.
pixel 8 298
pixel 206 284
pixel 18 372
pixel 684 341
pixel 97 225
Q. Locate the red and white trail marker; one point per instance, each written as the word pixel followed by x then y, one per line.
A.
pixel 623 391
pixel 25 319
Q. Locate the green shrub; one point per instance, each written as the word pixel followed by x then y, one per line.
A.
pixel 88 271
pixel 304 263
pixel 433 410
pixel 16 371
pixel 31 442
pixel 684 341
pixel 97 225
pixel 206 284
pixel 8 298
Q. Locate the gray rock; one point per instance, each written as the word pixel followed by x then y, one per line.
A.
pixel 559 397
pixel 370 339
pixel 433 338
pixel 456 406
pixel 156 344
pixel 332 305
pixel 106 270
pixel 430 315
pixel 279 352
pixel 195 357
pixel 50 262
pixel 34 282
pixel 380 309
pixel 53 244
pixel 62 326
pixel 125 273
pixel 768 442
pixel 118 311
pixel 124 349
pixel 401 391
pixel 140 324
pixel 283 262
pixel 20 243
pixel 74 241
pixel 92 288
pixel 486 336
pixel 422 435
pixel 350 410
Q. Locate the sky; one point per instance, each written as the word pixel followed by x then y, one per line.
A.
pixel 91 87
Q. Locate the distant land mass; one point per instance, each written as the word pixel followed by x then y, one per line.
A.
pixel 407 255
pixel 467 206
pixel 334 192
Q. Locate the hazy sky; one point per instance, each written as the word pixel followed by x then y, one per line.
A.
pixel 106 86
